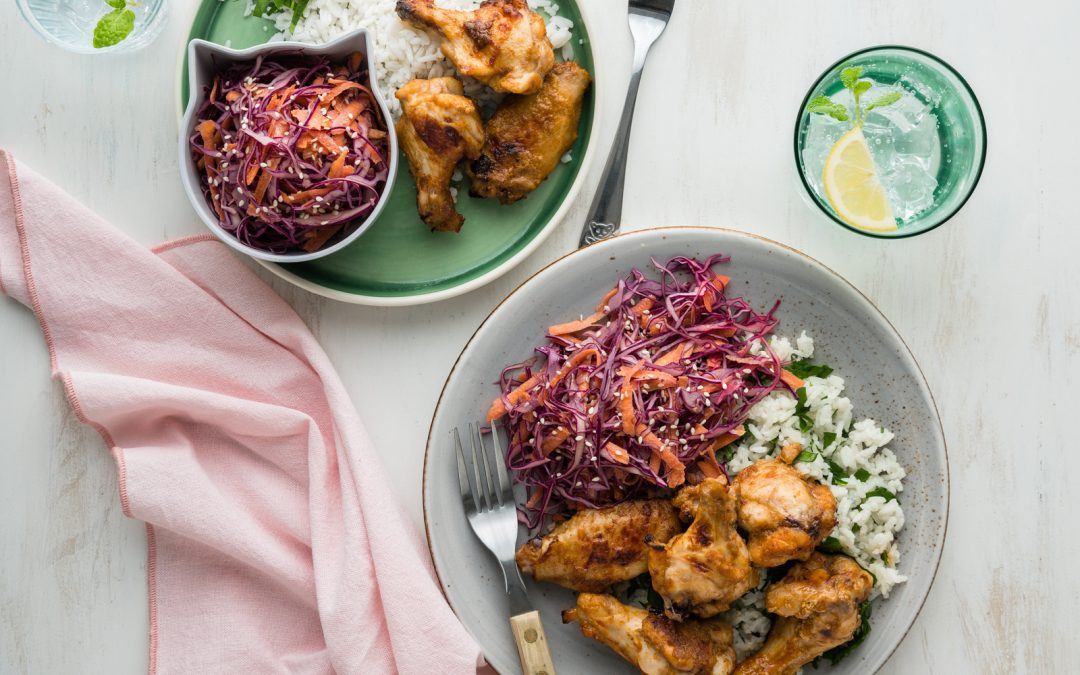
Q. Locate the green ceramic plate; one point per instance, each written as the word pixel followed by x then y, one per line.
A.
pixel 399 261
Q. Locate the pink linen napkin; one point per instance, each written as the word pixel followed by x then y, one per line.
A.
pixel 275 545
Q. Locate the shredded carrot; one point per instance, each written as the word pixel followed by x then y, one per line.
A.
pixel 498 408
pixel 305 195
pixel 575 326
pixel 570 364
pixel 338 168
pixel 616 453
pixel 672 355
pixel 727 439
pixel 554 440
pixel 346 114
pixel 642 306
pixel 626 400
pixel 534 498
pixel 318 238
pixel 607 296
pixel 709 466
pixel 788 378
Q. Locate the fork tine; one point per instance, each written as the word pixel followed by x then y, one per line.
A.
pixel 480 459
pixel 505 487
pixel 467 466
pixel 491 463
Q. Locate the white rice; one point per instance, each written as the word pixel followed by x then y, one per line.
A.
pixel 402 52
pixel 866 528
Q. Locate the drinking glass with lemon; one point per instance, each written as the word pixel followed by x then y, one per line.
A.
pixel 890 142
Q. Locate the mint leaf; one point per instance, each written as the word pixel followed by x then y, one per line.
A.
pixel 862 474
pixel 802 368
pixel 802 410
pixel 823 105
pixel 831 545
pixel 113 27
pixel 116 4
pixel 827 439
pixel 880 492
pixel 806 456
pixel 882 101
pixel 849 76
pixel 862 86
pixel 839 475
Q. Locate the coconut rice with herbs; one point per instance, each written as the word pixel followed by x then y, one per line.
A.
pixel 404 53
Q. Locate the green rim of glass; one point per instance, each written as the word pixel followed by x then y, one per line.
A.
pixel 806 100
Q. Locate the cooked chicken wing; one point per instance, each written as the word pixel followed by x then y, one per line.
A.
pixel 528 135
pixel 818 605
pixel 503 43
pixel 655 644
pixel 599 547
pixel 785 513
pixel 438 127
pixel 703 570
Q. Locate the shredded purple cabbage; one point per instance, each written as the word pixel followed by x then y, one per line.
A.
pixel 717 379
pixel 274 130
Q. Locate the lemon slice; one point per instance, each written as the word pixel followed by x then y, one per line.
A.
pixel 852 185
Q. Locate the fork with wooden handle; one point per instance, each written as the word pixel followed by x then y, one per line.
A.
pixel 488 498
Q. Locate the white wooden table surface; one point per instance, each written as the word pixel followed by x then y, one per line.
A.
pixel 988 303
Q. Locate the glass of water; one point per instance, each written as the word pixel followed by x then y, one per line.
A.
pixel 902 158
pixel 70 23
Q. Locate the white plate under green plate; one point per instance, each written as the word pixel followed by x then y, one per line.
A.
pixel 399 261
pixel 882 379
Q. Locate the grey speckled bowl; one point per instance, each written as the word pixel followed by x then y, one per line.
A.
pixel 204 58
pixel 883 382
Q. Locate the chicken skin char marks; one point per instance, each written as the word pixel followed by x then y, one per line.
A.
pixel 703 570
pixel 817 603
pixel 599 547
pixel 785 514
pixel 438 127
pixel 654 643
pixel 528 136
pixel 502 43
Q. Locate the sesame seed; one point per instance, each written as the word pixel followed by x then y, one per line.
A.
pixel 596 479
pixel 579 437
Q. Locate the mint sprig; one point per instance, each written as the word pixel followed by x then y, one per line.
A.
pixel 264 8
pixel 850 77
pixel 116 25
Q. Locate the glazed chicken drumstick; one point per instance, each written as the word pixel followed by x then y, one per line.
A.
pixel 818 606
pixel 654 643
pixel 599 547
pixel 438 127
pixel 503 43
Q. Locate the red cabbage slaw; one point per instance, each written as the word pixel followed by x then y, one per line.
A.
pixel 292 150
pixel 639 397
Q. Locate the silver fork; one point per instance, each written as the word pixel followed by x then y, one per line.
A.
pixel 648 18
pixel 488 497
